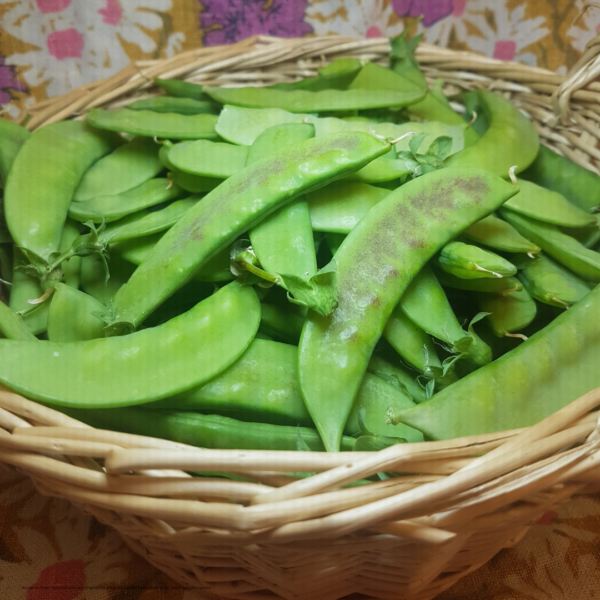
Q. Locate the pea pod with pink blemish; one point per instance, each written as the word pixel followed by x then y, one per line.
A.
pixel 375 265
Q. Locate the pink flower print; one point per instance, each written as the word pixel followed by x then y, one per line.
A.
pixel 60 581
pixel 67 43
pixel 52 6
pixel 112 13
pixel 373 32
pixel 459 8
pixel 504 50
pixel 234 20
pixel 8 82
pixel 432 10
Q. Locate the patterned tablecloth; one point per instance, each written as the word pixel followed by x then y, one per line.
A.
pixel 51 551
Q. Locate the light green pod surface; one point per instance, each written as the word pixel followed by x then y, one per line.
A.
pixel 500 235
pixel 168 104
pixel 339 206
pixel 134 369
pixel 563 248
pixel 510 140
pixel 71 267
pixel 383 169
pixel 193 183
pixel 181 89
pixel 549 282
pixel 375 265
pixel 12 137
pixel 552 368
pixel 71 316
pixel 93 277
pixel 147 222
pixel 281 323
pixel 151 124
pixel 112 208
pixel 545 205
pixel 337 75
pixel 472 262
pixel 509 312
pixel 12 325
pixel 236 206
pixel 493 285
pixel 208 159
pixel 36 206
pixel 398 376
pixel 125 168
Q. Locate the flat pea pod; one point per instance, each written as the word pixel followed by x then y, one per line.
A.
pixel 234 207
pixel 588 236
pixel 71 316
pixel 151 124
pixel 59 154
pixel 489 285
pixel 12 137
pixel 545 205
pixel 510 140
pixel 127 167
pixel 554 367
pixel 133 369
pixel 203 431
pixel 555 172
pixel 112 208
pixel 283 241
pixel 509 312
pixel 280 323
pixel 301 101
pixel 383 170
pixel 93 276
pixel 71 267
pixel 398 376
pixel 180 106
pixel 549 282
pixel 338 75
pixel 375 265
pixel 563 248
pixel 500 235
pixel 193 183
pixel 471 262
pixel 147 222
pixel 334 241
pixel 12 326
pixel 181 89
pixel 339 206
pixel 208 159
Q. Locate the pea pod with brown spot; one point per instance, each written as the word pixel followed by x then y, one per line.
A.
pixel 375 265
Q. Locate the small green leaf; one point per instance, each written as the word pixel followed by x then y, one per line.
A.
pixel 415 142
pixel 318 293
pixel 440 147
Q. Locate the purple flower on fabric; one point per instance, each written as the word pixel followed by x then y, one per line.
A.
pixel 432 10
pixel 8 82
pixel 235 20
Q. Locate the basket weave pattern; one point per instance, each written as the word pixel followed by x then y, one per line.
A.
pixel 280 536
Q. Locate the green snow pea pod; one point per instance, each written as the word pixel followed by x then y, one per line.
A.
pixel 375 265
pixel 234 207
pixel 151 124
pixel 6 263
pixel 339 206
pixel 551 283
pixel 180 106
pixel 112 208
pixel 181 89
pixel 93 276
pixel 383 170
pixel 500 235
pixel 71 316
pixel 557 173
pixel 147 365
pixel 193 183
pixel 472 262
pixel 397 376
pixel 334 241
pixel 71 267
pixel 281 323
pixel 207 159
pixel 302 101
pixel 283 242
pixel 490 285
pixel 336 76
pixel 59 154
pixel 12 325
pixel 510 140
pixel 509 312
pixel 555 366
pixel 545 205
pixel 563 248
pixel 127 167
pixel 588 236
pixel 12 137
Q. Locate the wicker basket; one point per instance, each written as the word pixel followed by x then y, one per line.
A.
pixel 281 537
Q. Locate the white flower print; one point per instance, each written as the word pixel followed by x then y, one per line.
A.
pixel 586 27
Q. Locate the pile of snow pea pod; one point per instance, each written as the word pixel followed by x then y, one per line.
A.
pixel 339 263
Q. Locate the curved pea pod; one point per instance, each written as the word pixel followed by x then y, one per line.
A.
pixel 545 205
pixel 576 183
pixel 12 325
pixel 181 89
pixel 59 154
pixel 12 137
pixel 281 324
pixel 151 124
pixel 337 75
pixel 500 235
pixel 71 316
pixel 237 205
pixel 383 170
pixel 472 262
pixel 134 369
pixel 208 159
pixel 510 140
pixel 93 276
pixel 489 285
pixel 180 106
pixel 193 183
pixel 563 248
pixel 375 265
pixel 554 367
pixel 112 208
pixel 549 282
pixel 71 267
pixel 509 312
pixel 397 376
pixel 339 206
